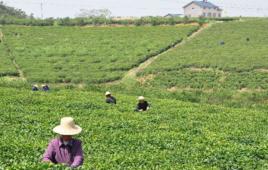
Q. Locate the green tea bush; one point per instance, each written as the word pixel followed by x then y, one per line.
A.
pixel 172 135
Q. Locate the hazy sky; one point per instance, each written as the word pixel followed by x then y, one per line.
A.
pixel 64 8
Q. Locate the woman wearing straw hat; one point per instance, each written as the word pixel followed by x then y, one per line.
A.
pixel 65 149
pixel 142 105
pixel 109 98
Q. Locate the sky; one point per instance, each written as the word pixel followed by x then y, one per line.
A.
pixel 71 8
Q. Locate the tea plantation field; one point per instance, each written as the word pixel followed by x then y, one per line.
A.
pixel 224 64
pixel 84 54
pixel 228 61
pixel 172 135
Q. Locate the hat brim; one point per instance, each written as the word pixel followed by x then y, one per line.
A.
pixel 63 131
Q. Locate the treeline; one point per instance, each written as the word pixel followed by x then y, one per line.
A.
pixel 6 11
pixel 137 22
pixel 26 21
pixel 13 16
pixel 96 21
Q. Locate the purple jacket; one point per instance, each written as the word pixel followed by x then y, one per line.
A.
pixel 70 154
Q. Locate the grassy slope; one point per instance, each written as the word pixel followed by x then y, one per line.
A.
pixel 172 135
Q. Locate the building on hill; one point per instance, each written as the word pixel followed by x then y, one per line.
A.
pixel 173 15
pixel 202 9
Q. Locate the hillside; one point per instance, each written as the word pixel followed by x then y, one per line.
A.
pixel 6 11
pixel 84 54
pixel 221 63
pixel 224 64
pixel 193 75
pixel 172 135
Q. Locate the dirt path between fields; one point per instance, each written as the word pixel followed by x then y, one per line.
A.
pixel 12 58
pixel 1 36
pixel 18 69
pixel 262 70
pixel 190 89
pixel 133 72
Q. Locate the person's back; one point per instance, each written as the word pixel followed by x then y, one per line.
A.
pixel 45 88
pixel 142 105
pixel 35 88
pixel 109 98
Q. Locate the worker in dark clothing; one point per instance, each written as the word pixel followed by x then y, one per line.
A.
pixel 45 87
pixel 142 105
pixel 109 98
pixel 35 87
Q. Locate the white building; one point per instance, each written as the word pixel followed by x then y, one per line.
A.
pixel 202 9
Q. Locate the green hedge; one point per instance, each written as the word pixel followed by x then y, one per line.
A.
pixel 96 21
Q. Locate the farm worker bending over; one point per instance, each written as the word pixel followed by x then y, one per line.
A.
pixel 142 105
pixel 65 149
pixel 109 98
pixel 35 87
pixel 45 87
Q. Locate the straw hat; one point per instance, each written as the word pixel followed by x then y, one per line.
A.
pixel 141 98
pixel 67 127
pixel 35 85
pixel 107 93
pixel 43 85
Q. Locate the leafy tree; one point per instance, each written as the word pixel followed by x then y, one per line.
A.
pixel 6 11
pixel 85 13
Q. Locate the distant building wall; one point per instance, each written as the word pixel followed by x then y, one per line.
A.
pixel 193 10
pixel 210 12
